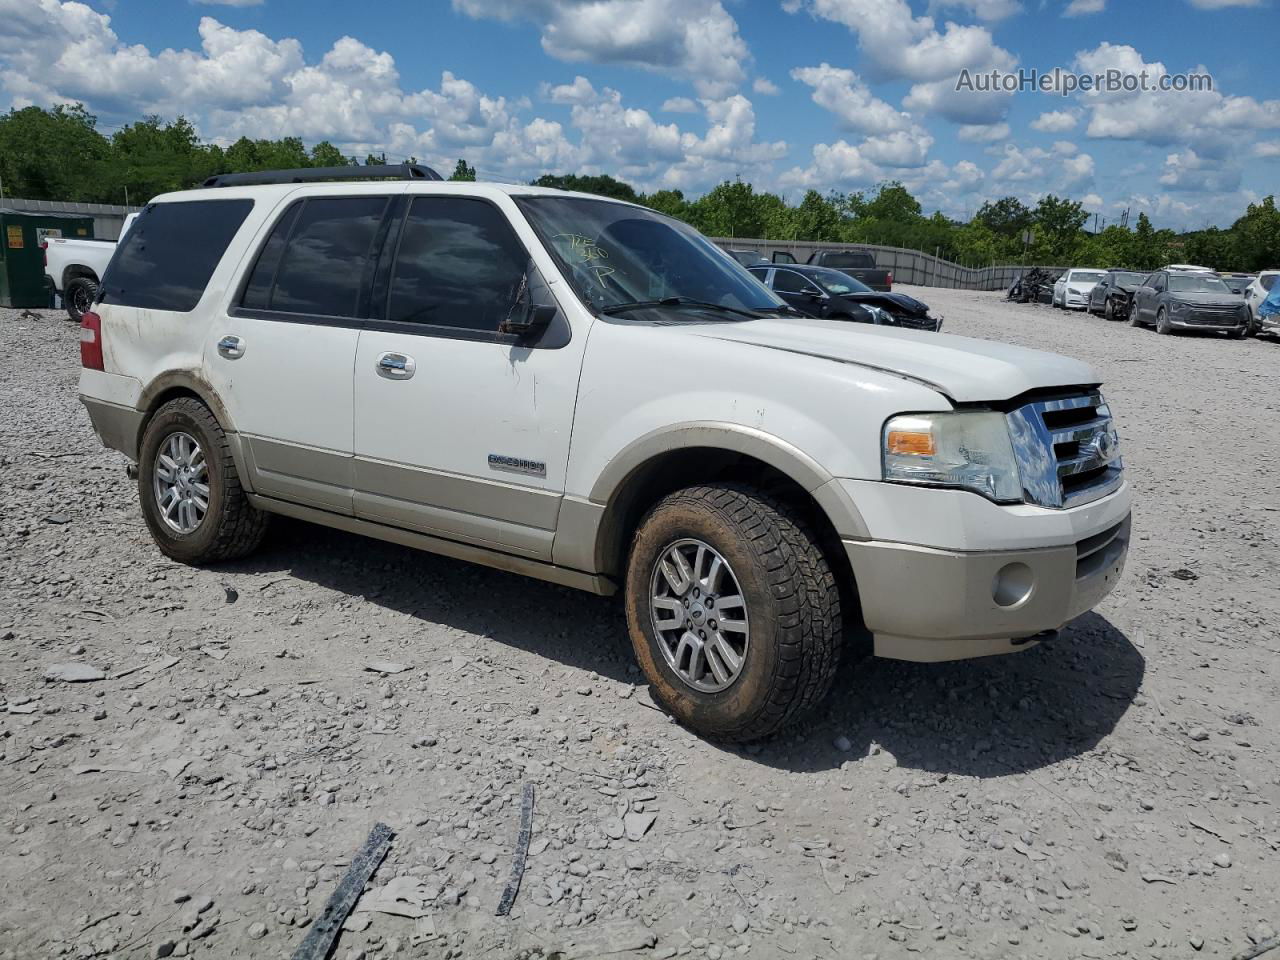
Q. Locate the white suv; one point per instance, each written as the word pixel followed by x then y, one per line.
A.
pixel 588 392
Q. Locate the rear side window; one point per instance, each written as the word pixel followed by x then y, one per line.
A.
pixel 315 261
pixel 166 259
pixel 459 265
pixel 1269 281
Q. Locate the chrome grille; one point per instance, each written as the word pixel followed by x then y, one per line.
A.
pixel 1067 450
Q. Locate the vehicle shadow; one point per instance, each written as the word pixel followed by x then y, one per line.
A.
pixel 980 718
pixel 563 625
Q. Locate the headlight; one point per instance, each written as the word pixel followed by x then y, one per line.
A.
pixel 879 315
pixel 1179 307
pixel 970 450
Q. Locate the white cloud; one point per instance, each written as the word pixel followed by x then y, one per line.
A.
pixel 580 91
pixel 986 9
pixel 765 87
pixel 845 94
pixel 900 46
pixel 1210 121
pixel 1083 8
pixel 680 105
pixel 984 133
pixel 1056 121
pixel 1188 171
pixel 693 39
pixel 1269 149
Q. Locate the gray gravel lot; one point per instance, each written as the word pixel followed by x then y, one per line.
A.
pixel 1112 794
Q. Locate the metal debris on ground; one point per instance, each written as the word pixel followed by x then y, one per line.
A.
pixel 521 853
pixel 320 938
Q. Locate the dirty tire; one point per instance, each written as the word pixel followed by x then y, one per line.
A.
pixel 793 604
pixel 1134 320
pixel 1163 327
pixel 79 296
pixel 1109 310
pixel 231 527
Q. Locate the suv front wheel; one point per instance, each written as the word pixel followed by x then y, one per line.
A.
pixel 191 496
pixel 733 611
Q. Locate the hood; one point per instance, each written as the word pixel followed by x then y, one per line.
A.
pixel 909 305
pixel 1126 287
pixel 961 368
pixel 1208 299
pixel 1081 286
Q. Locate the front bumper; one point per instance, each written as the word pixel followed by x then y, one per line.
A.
pixel 929 605
pixel 1271 323
pixel 1211 325
pixel 1076 301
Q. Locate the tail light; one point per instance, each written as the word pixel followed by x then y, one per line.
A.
pixel 891 280
pixel 44 251
pixel 91 341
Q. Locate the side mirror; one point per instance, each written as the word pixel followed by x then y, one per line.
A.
pixel 529 319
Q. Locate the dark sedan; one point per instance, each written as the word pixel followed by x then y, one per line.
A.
pixel 1112 294
pixel 827 292
pixel 1181 300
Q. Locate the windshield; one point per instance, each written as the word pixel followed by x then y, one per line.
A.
pixel 1130 279
pixel 1086 276
pixel 1197 284
pixel 614 254
pixel 838 282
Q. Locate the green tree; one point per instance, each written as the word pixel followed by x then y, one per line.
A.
pixel 1057 225
pixel 53 155
pixel 325 154
pixel 604 186
pixel 893 203
pixel 729 210
pixel 670 202
pixel 462 171
pixel 1009 217
pixel 1258 236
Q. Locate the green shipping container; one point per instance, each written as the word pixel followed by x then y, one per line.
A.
pixel 22 282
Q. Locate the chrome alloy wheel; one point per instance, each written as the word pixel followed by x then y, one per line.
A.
pixel 180 481
pixel 699 615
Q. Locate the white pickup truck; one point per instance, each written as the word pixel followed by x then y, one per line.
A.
pixel 75 268
pixel 588 392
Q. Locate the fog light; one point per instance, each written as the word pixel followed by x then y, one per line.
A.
pixel 1013 585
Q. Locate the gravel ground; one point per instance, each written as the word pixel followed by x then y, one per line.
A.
pixel 1112 794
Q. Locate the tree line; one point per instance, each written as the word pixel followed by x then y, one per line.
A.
pixel 59 154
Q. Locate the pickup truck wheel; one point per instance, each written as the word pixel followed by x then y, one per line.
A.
pixel 191 496
pixel 733 611
pixel 79 296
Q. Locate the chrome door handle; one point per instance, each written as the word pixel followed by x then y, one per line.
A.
pixel 231 347
pixel 396 366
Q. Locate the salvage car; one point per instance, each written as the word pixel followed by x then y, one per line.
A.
pixel 1110 296
pixel 586 391
pixel 825 292
pixel 1184 300
pixel 859 264
pixel 1072 290
pixel 1255 294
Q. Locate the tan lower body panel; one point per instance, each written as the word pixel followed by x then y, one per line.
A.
pixel 564 576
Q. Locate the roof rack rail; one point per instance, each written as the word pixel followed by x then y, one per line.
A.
pixel 397 171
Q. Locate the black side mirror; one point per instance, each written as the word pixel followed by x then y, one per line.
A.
pixel 529 319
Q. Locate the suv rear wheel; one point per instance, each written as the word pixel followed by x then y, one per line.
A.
pixel 733 611
pixel 191 496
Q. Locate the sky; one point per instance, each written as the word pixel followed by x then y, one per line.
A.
pixel 787 94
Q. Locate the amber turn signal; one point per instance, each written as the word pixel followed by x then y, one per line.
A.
pixel 911 442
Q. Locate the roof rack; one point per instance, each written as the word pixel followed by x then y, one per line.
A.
pixel 397 171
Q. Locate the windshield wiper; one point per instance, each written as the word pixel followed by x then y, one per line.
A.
pixel 619 308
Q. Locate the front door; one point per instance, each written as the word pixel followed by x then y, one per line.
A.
pixel 462 431
pixel 800 292
pixel 281 357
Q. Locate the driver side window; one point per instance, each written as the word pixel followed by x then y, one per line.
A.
pixel 788 281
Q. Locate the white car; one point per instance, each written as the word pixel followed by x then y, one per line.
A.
pixel 1254 294
pixel 588 392
pixel 1072 289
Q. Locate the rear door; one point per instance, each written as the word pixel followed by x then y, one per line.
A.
pixel 461 430
pixel 281 356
